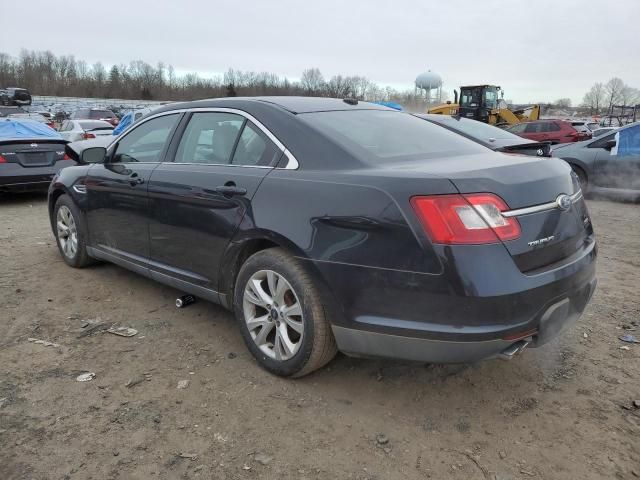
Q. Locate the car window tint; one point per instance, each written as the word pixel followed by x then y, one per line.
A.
pixel 146 142
pixel 518 128
pixel 602 141
pixel 254 148
pixel 552 127
pixel 209 138
pixel 473 128
pixel 378 135
pixel 97 114
pixel 533 128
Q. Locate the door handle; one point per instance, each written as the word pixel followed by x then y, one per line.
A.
pixel 134 179
pixel 231 190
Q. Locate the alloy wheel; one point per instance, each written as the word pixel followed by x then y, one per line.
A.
pixel 67 232
pixel 273 314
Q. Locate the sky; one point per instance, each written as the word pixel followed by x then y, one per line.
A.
pixel 538 50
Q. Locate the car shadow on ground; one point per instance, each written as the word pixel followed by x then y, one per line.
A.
pixel 10 198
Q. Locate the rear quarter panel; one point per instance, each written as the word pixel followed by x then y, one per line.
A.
pixel 345 218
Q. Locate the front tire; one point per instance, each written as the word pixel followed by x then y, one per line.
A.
pixel 71 233
pixel 281 315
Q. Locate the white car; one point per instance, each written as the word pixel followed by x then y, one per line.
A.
pixel 584 125
pixel 601 131
pixel 74 130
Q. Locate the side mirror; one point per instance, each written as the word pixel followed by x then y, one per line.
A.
pixel 93 155
pixel 610 144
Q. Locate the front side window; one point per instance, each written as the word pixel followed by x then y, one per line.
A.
pixel 209 138
pixel 490 98
pixel 146 142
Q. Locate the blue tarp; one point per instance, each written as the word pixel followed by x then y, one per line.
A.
pixel 25 129
pixel 395 106
pixel 124 123
pixel 627 142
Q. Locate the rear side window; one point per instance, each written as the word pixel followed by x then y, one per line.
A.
pixel 380 135
pixel 254 148
pixel 551 127
pixel 146 142
pixel 518 128
pixel 209 138
pixel 533 128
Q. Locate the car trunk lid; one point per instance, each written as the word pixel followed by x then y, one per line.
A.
pixel 531 187
pixel 32 153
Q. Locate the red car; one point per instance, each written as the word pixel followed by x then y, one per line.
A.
pixel 554 131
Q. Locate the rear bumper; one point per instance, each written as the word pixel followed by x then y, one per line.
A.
pixel 553 320
pixel 14 177
pixel 473 311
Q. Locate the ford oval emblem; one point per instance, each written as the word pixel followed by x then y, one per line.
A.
pixel 564 202
pixel 540 152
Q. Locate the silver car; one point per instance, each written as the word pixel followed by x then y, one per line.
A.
pixel 75 130
pixel 609 163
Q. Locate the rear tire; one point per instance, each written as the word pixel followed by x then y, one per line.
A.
pixel 70 231
pixel 281 315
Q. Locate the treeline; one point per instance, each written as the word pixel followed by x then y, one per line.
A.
pixel 602 98
pixel 44 73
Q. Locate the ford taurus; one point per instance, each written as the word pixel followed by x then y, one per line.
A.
pixel 329 224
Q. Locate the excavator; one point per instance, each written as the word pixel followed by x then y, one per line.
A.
pixel 481 102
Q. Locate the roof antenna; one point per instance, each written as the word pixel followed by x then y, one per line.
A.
pixel 350 101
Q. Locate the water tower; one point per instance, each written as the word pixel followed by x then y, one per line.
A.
pixel 426 83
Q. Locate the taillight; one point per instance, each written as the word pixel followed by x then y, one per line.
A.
pixel 66 157
pixel 465 219
pixel 2 159
pixel 87 136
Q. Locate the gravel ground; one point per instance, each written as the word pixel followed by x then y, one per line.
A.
pixel 564 411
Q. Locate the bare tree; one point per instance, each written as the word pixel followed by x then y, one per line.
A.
pixel 312 81
pixel 562 103
pixel 594 99
pixel 613 90
pixel 629 96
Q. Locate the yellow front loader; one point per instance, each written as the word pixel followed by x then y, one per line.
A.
pixel 481 102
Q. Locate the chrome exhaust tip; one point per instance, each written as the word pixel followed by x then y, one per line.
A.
pixel 513 350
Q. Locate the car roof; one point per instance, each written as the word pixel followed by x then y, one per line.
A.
pixel 293 105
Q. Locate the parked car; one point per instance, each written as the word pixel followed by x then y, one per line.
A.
pixel 491 137
pixel 584 125
pixel 30 155
pixel 554 131
pixel 6 111
pixel 36 117
pixel 602 165
pixel 95 114
pixel 130 118
pixel 336 225
pixel 15 96
pixel 602 130
pixel 74 130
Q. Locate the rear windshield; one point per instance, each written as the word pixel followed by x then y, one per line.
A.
pixel 382 135
pixel 101 114
pixel 92 125
pixel 474 128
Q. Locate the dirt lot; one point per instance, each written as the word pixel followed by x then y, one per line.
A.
pixel 561 412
